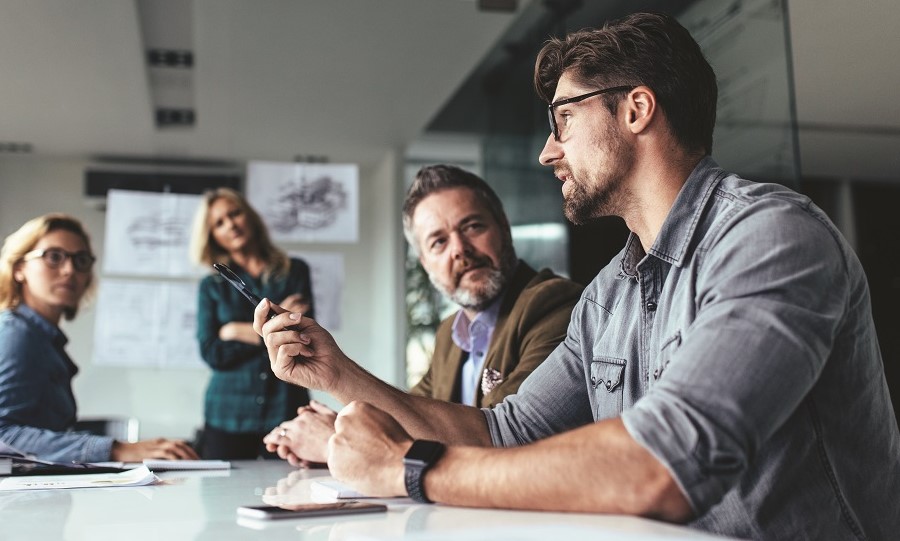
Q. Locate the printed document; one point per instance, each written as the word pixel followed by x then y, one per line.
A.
pixel 131 478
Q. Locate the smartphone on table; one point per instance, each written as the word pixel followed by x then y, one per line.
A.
pixel 304 510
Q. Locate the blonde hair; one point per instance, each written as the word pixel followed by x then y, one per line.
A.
pixel 23 241
pixel 206 251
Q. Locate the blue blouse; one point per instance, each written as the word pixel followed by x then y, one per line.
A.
pixel 37 406
pixel 243 395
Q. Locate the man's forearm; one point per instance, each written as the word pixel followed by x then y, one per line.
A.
pixel 423 418
pixel 598 468
pixel 303 353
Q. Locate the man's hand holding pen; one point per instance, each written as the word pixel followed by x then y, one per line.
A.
pixel 300 350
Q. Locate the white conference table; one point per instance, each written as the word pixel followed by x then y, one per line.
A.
pixel 202 506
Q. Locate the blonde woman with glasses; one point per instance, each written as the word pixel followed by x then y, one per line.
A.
pixel 46 270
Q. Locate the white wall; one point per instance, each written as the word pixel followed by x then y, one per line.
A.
pixel 169 402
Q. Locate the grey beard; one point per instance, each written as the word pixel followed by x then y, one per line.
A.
pixel 491 288
pixel 478 300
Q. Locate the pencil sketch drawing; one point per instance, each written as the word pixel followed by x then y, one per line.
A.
pixel 156 231
pixel 309 205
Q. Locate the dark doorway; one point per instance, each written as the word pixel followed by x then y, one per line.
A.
pixel 878 234
pixel 591 246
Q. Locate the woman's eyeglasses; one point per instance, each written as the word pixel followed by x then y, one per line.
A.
pixel 55 258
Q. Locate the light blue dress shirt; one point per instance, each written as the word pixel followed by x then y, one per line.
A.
pixel 474 337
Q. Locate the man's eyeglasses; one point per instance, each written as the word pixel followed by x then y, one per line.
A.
pixel 56 258
pixel 551 109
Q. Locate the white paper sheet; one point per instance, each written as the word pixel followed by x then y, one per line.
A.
pixel 169 465
pixel 328 490
pixel 148 234
pixel 146 323
pixel 131 478
pixel 327 275
pixel 306 202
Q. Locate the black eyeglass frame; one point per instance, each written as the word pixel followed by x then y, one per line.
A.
pixel 554 127
pixel 82 261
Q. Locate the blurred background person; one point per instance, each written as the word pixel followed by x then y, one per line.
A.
pixel 46 267
pixel 243 400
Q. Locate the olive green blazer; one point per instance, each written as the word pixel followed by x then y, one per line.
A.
pixel 532 321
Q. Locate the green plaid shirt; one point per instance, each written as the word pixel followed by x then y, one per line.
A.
pixel 243 395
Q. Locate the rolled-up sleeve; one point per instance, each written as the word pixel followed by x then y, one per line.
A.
pixel 770 296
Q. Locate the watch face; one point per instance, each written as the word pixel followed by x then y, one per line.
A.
pixel 424 452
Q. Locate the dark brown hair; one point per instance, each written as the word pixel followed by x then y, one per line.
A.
pixel 649 49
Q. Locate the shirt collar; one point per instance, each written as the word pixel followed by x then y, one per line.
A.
pixel 680 224
pixel 36 320
pixel 462 327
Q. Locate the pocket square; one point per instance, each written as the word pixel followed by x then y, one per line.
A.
pixel 489 380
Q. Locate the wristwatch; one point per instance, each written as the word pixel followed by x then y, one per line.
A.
pixel 421 455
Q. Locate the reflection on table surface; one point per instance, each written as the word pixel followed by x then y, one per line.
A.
pixel 201 505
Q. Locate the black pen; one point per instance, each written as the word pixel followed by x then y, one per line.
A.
pixel 239 284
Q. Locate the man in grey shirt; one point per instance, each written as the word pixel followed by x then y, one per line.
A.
pixel 722 370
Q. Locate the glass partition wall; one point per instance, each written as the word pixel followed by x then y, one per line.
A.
pixel 495 126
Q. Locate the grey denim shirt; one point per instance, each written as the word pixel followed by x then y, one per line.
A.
pixel 741 352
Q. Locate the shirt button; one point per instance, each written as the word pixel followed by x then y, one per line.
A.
pixel 260 400
pixel 651 306
pixel 656 374
pixel 263 376
pixel 479 353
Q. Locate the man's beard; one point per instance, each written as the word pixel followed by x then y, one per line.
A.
pixel 480 296
pixel 585 202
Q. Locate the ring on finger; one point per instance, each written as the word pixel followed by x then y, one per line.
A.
pixel 283 432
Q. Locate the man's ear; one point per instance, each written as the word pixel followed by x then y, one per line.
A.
pixel 640 109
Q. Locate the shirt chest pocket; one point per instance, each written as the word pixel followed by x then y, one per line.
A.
pixel 606 382
pixel 667 350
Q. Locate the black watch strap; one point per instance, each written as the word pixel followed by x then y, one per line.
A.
pixel 421 456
